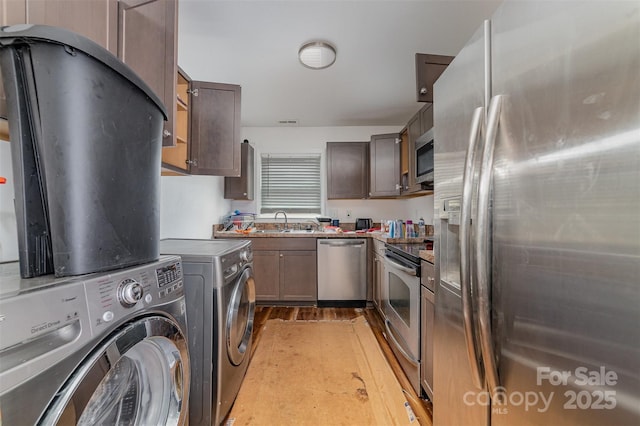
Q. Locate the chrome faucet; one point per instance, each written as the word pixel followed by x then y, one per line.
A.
pixel 286 222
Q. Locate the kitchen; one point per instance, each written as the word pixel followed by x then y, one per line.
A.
pixel 187 208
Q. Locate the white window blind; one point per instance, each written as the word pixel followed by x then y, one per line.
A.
pixel 290 183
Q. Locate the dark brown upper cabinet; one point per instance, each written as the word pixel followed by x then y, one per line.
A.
pixel 95 19
pixel 347 170
pixel 207 129
pixel 241 188
pixel 147 42
pixel 384 161
pixel 428 69
pixel 426 118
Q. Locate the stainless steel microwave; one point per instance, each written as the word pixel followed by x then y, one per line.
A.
pixel 424 158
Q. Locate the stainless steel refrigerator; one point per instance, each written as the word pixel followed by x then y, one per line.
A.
pixel 537 218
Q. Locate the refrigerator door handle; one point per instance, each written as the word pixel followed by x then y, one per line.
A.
pixel 465 248
pixel 483 247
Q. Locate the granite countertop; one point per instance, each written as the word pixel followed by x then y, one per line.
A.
pixel 315 234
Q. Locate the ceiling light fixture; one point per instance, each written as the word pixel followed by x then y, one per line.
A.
pixel 317 55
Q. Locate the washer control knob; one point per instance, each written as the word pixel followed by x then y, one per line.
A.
pixel 129 292
pixel 148 298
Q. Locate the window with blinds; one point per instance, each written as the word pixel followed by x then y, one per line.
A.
pixel 290 183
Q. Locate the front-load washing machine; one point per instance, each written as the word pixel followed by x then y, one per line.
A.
pixel 106 348
pixel 220 292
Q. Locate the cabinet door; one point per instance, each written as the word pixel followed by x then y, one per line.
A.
pixel 147 42
pixel 94 19
pixel 347 170
pixel 426 118
pixel 175 158
pixel 414 131
pixel 241 188
pixel 298 280
pixel 428 69
pixel 14 12
pixel 384 160
pixel 266 271
pixel 215 129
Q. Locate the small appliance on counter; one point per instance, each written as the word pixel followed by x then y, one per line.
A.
pixel 323 221
pixel 86 137
pixel 363 224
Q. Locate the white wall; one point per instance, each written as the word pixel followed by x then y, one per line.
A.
pixel 283 140
pixel 191 205
pixel 8 227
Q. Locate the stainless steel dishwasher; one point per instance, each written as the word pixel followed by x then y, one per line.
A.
pixel 342 272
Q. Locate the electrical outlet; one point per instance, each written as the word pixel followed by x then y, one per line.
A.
pixel 348 213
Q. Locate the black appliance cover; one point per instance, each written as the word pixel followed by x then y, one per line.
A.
pixel 86 136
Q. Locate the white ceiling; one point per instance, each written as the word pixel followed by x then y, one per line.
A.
pixel 255 44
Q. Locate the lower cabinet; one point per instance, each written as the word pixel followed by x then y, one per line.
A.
pixel 266 272
pixel 285 269
pixel 298 276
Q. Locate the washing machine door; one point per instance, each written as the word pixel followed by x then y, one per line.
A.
pixel 242 306
pixel 140 376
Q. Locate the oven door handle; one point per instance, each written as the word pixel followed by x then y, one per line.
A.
pixel 388 325
pixel 403 268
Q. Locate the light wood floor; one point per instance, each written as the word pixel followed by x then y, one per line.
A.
pixel 422 408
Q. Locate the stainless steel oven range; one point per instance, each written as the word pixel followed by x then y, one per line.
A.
pixel 401 306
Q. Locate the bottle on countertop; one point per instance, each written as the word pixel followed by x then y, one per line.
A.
pixel 409 229
pixel 422 232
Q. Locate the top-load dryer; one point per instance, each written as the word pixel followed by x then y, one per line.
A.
pixel 106 348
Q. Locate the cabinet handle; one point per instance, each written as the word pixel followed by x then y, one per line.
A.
pixel 423 90
pixel 281 255
pixel 194 92
pixel 166 133
pixel 398 140
pixel 244 193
